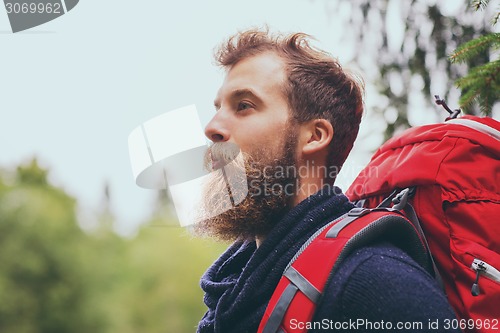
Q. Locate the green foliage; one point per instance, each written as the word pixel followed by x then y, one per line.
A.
pixel 42 284
pixel 161 281
pixel 56 278
pixel 481 84
pixel 31 174
pixel 473 48
pixel 408 43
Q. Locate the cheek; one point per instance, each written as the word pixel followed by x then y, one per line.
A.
pixel 266 136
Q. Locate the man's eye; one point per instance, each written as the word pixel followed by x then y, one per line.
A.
pixel 244 106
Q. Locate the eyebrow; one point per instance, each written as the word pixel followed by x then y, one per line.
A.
pixel 239 93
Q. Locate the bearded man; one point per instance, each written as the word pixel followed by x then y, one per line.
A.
pixel 293 113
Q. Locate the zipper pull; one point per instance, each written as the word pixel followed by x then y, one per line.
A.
pixel 475 291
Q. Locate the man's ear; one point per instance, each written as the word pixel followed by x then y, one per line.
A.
pixel 317 135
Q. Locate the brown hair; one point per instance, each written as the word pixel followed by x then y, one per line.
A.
pixel 316 87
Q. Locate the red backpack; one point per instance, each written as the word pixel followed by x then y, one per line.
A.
pixel 455 170
pixel 450 174
pixel 294 300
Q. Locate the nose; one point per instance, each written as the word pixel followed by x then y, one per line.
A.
pixel 216 130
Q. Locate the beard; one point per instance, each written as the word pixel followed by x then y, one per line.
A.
pixel 247 197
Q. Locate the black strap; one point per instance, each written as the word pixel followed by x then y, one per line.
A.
pixel 387 201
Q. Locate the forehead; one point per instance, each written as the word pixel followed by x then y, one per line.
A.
pixel 263 74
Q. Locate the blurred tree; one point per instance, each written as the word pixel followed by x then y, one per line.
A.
pixel 403 47
pixel 164 266
pixel 56 278
pixel 31 174
pixel 42 285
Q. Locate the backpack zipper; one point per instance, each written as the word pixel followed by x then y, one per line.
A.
pixel 481 267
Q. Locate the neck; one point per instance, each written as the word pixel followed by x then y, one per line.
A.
pixel 307 187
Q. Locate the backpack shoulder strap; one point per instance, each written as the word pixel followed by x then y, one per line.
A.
pixel 300 289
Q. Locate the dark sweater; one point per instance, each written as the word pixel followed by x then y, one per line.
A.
pixel 375 283
pixel 382 284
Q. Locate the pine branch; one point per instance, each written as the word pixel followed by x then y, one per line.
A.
pixel 470 83
pixel 467 99
pixel 474 47
pixel 488 71
pixel 486 101
pixel 481 85
pixel 481 77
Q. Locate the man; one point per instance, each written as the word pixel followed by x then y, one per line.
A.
pixel 293 113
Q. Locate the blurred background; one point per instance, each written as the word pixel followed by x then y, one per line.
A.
pixel 82 248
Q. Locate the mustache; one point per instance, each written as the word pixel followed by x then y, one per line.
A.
pixel 220 154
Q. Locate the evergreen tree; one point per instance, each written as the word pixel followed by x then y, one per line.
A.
pixel 55 277
pixel 44 285
pixel 403 48
pixel 481 85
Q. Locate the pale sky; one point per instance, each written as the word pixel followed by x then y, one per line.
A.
pixel 73 89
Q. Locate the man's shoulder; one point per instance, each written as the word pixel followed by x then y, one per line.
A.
pixel 382 282
pixel 381 263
